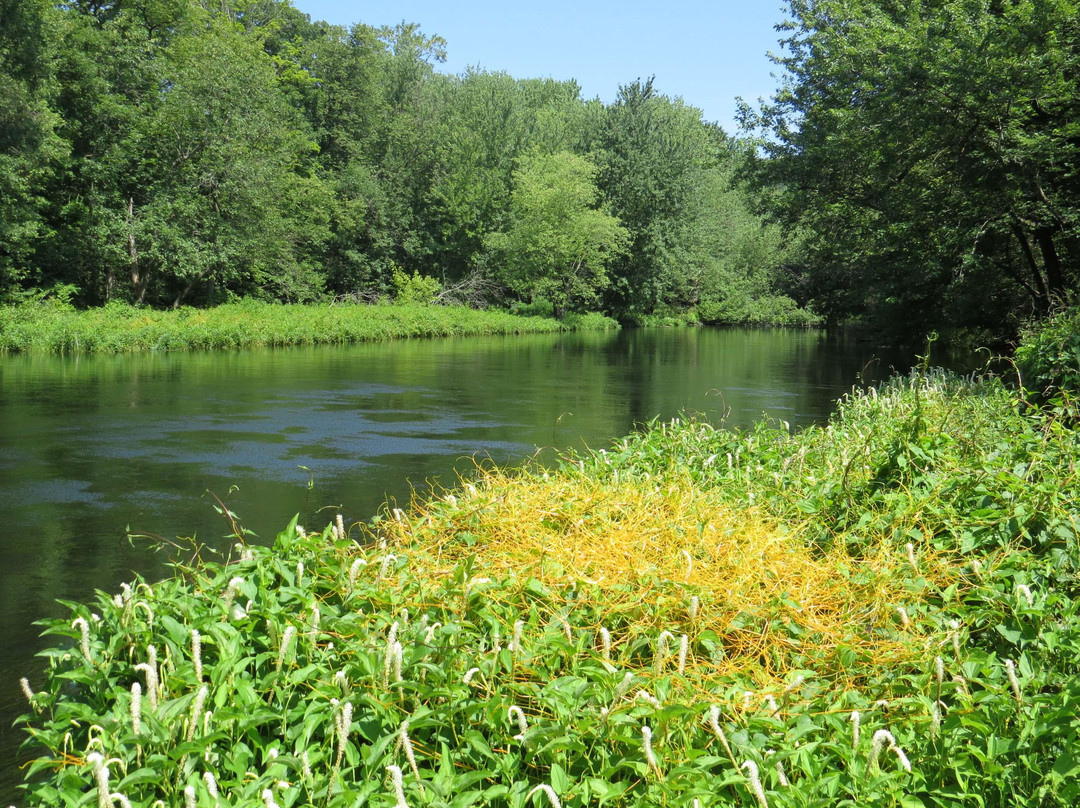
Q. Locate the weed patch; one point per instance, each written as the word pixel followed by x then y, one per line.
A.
pixel 752 597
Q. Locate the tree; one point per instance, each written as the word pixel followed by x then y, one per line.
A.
pixel 930 153
pixel 557 244
pixel 30 150
pixel 732 261
pixel 383 209
pixel 485 122
pixel 345 103
pixel 651 151
pixel 187 151
pixel 107 76
pixel 221 196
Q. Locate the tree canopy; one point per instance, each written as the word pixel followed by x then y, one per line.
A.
pixel 557 245
pixel 927 153
pixel 173 152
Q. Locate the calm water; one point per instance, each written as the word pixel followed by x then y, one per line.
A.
pixel 91 448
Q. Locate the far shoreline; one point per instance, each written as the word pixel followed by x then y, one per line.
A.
pixel 52 327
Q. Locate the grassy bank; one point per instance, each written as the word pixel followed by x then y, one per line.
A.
pixel 881 611
pixel 116 328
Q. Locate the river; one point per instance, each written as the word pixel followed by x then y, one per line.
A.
pixel 95 448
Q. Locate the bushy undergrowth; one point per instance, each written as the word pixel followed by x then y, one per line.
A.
pixel 740 309
pixel 55 328
pixel 737 310
pixel 1048 357
pixel 880 611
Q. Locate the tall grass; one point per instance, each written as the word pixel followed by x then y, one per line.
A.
pixel 880 611
pixel 54 328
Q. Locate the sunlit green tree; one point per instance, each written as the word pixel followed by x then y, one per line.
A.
pixel 30 149
pixel 557 244
pixel 224 199
pixel 651 152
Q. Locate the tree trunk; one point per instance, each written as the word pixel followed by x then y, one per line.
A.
pixel 1055 279
pixel 139 279
pixel 1042 300
pixel 187 290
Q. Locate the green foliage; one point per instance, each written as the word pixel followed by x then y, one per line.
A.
pixel 557 245
pixel 652 152
pixel 181 152
pixel 232 144
pixel 1048 356
pixel 927 153
pixel 30 150
pixel 725 251
pixel 536 307
pixel 952 467
pixel 954 459
pixel 415 288
pixel 319 656
pixel 740 309
pixel 53 326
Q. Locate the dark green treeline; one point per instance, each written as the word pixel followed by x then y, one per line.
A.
pixel 927 153
pixel 190 152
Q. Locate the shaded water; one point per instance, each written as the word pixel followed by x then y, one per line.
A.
pixel 92 447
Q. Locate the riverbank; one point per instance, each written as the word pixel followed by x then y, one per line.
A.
pixel 117 328
pixel 881 610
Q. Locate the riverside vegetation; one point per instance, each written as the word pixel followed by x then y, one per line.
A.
pixel 189 152
pixel 120 327
pixel 879 611
pixel 193 152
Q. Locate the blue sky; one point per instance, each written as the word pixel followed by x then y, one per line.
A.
pixel 706 52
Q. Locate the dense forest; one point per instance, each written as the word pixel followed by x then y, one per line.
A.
pixel 928 153
pixel 191 152
pixel 918 168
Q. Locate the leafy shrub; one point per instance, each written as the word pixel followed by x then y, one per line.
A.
pixel 741 309
pixel 1048 356
pixel 667 318
pixel 413 288
pixel 536 307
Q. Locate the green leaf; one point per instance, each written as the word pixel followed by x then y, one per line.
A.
pixel 139 776
pixel 1013 635
pixel 560 780
pixel 1066 766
